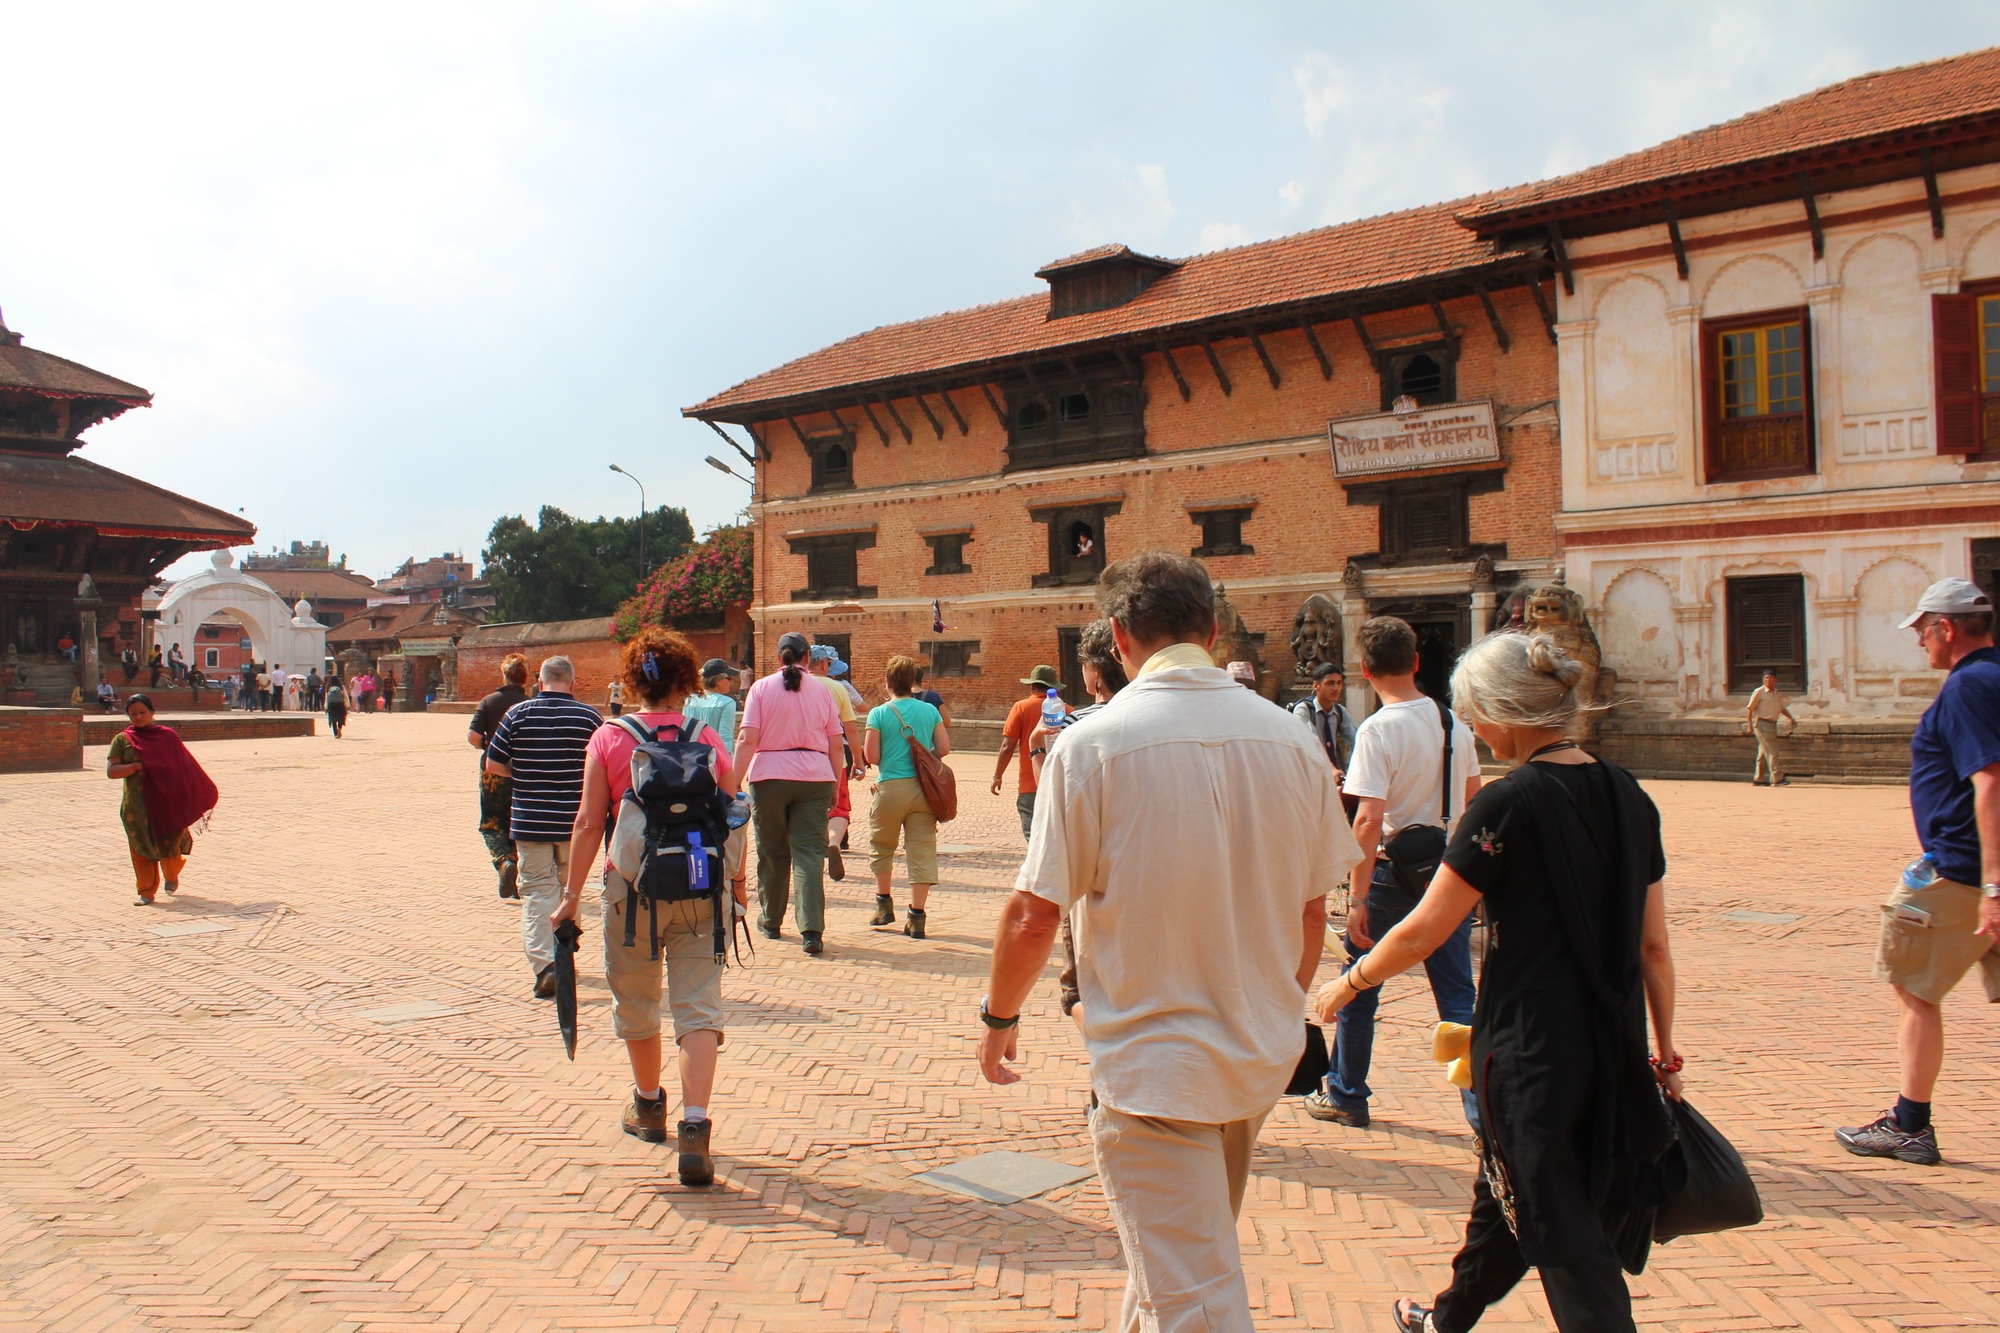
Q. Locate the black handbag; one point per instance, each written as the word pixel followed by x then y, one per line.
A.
pixel 1416 852
pixel 1718 1194
pixel 1313 1064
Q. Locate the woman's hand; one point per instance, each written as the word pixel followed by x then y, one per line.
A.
pixel 1333 997
pixel 1672 1085
pixel 1038 739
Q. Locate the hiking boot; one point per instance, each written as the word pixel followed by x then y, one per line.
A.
pixel 835 868
pixel 647 1119
pixel 545 983
pixel 914 925
pixel 811 942
pixel 769 932
pixel 885 911
pixel 1884 1138
pixel 697 1167
pixel 510 879
pixel 1322 1107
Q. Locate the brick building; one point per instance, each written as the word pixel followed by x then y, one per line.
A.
pixel 1780 374
pixel 1353 420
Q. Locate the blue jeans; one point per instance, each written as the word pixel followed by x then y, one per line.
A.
pixel 1450 972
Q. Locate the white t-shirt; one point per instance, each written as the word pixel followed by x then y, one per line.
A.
pixel 1187 824
pixel 1399 758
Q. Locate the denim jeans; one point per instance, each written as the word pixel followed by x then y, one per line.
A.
pixel 1450 972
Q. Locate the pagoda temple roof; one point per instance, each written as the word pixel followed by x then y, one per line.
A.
pixel 67 491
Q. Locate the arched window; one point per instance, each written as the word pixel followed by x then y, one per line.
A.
pixel 1421 376
pixel 1032 415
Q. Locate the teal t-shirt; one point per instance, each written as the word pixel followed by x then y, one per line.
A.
pixel 923 720
pixel 718 711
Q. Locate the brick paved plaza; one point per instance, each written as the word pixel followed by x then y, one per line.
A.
pixel 202 1125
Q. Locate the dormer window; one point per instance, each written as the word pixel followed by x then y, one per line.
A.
pixel 1100 279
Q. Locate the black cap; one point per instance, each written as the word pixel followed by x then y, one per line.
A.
pixel 1325 669
pixel 794 643
pixel 714 667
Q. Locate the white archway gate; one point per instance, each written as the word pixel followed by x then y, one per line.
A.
pixel 279 634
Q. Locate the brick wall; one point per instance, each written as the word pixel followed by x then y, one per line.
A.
pixel 595 659
pixel 40 740
pixel 1302 528
pixel 217 727
pixel 1850 751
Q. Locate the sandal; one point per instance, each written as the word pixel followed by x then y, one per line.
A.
pixel 1411 1317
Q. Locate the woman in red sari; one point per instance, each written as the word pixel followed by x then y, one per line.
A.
pixel 166 795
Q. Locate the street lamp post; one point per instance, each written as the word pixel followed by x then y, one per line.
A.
pixel 721 466
pixel 642 516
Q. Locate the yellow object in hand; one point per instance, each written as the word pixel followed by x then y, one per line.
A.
pixel 1451 1046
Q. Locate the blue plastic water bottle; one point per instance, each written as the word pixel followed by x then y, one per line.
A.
pixel 697 863
pixel 1053 713
pixel 1920 873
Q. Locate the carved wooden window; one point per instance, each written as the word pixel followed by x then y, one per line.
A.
pixel 1767 631
pixel 1428 375
pixel 832 463
pixel 948 553
pixel 1069 665
pixel 1965 366
pixel 955 657
pixel 1425 524
pixel 1222 533
pixel 1075 418
pixel 1076 538
pixel 833 563
pixel 1757 395
pixel 1986 565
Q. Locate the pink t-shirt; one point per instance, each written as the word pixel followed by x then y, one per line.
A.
pixel 611 745
pixel 793 727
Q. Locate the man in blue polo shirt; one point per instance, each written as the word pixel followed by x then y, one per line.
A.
pixel 1944 919
pixel 540 745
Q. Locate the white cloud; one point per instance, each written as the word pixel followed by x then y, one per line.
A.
pixel 1222 235
pixel 1381 140
pixel 1138 210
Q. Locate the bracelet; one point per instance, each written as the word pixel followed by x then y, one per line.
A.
pixel 1356 971
pixel 995 1022
pixel 1672 1066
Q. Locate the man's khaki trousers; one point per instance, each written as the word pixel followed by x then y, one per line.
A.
pixel 1175 1188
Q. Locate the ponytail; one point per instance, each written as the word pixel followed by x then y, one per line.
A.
pixel 793 677
pixel 790 656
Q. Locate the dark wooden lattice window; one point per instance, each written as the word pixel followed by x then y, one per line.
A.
pixel 1222 533
pixel 840 643
pixel 1965 365
pixel 948 553
pixel 1424 524
pixel 1986 565
pixel 1069 665
pixel 1084 417
pixel 832 462
pixel 833 566
pixel 1767 631
pixel 953 657
pixel 1757 396
pixel 1429 375
pixel 1076 543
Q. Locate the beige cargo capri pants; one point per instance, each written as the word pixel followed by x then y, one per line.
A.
pixel 685 974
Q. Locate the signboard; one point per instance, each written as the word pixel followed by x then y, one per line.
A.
pixel 1423 437
pixel 425 647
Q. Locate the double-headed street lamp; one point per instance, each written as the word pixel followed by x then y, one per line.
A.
pixel 642 517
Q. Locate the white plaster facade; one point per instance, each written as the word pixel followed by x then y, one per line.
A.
pixel 279 634
pixel 1648 541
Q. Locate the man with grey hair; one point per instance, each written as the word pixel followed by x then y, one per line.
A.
pixel 540 745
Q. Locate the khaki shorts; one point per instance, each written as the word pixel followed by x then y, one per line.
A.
pixel 900 808
pixel 1927 959
pixel 686 970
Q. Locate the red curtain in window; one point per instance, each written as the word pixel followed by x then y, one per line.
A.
pixel 1955 368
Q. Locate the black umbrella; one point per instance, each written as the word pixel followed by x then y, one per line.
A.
pixel 567 934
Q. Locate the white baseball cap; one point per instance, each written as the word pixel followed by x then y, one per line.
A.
pixel 1949 597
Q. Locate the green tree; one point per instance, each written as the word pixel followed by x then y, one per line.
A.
pixel 566 568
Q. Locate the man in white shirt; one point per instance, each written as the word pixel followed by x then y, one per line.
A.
pixel 1398 773
pixel 1197 934
pixel 278 678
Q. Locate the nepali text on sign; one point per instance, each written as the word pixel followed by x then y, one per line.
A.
pixel 1405 441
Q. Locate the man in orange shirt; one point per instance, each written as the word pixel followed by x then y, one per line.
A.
pixel 1022 719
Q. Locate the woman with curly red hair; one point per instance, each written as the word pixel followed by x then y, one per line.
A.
pixel 660 669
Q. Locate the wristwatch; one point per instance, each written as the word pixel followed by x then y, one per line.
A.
pixel 1989 890
pixel 996 1023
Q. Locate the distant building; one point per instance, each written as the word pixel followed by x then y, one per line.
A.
pixel 302 555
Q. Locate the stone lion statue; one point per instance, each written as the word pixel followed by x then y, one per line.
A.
pixel 1556 610
pixel 1233 639
pixel 1316 636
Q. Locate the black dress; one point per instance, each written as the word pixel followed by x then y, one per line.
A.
pixel 1573 1120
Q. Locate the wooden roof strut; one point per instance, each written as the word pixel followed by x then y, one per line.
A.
pixel 1319 353
pixel 1674 235
pixel 889 406
pixel 726 439
pixel 1812 216
pixel 952 408
pixel 999 412
pixel 1542 304
pixel 1560 253
pixel 1931 193
pixel 1492 316
pixel 869 412
pixel 1167 355
pixel 1264 356
pixel 1215 364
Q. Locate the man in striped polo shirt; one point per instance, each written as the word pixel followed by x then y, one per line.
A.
pixel 540 744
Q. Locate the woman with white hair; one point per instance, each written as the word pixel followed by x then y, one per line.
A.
pixel 1565 854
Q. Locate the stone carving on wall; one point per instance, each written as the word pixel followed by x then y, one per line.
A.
pixel 1233 640
pixel 1556 610
pixel 1316 636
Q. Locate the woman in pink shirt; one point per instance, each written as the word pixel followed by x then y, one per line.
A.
pixel 660 669
pixel 788 749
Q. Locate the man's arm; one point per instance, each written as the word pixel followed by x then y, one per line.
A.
pixel 1367 833
pixel 474 739
pixel 500 753
pixel 1007 748
pixel 1021 948
pixel 1986 809
pixel 1314 921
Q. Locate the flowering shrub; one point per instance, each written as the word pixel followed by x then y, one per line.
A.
pixel 691 591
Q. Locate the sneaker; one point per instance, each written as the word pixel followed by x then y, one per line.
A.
pixel 835 868
pixel 1412 1318
pixel 885 911
pixel 1782 782
pixel 545 983
pixel 1322 1107
pixel 647 1120
pixel 1884 1139
pixel 1759 782
pixel 697 1167
pixel 914 926
pixel 172 886
pixel 510 879
pixel 811 943
pixel 769 932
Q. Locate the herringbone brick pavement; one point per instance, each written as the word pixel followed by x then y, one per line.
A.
pixel 208 1130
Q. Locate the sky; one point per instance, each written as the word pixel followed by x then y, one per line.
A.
pixel 393 271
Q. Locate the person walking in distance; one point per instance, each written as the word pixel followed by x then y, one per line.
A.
pixel 715 705
pixel 1198 933
pixel 900 807
pixel 789 750
pixel 496 791
pixel 1944 919
pixel 1326 716
pixel 336 706
pixel 1761 719
pixel 1565 853
pixel 930 696
pixel 1407 801
pixel 539 746
pixel 825 664
pixel 1022 719
pixel 614 697
pixel 658 667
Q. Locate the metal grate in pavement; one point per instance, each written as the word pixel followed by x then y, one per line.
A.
pixel 1005 1177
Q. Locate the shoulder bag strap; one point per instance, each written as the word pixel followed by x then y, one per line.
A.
pixel 1444 716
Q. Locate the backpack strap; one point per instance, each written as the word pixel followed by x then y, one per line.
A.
pixel 638 729
pixel 1444 716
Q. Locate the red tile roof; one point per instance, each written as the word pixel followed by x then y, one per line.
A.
pixel 1873 105
pixel 1352 258
pixel 65 489
pixel 316 585
pixel 54 377
pixel 1099 254
pixel 418 620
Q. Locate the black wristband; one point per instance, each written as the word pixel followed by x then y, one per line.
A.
pixel 996 1023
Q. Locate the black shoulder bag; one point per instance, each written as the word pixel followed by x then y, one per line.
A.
pixel 1415 852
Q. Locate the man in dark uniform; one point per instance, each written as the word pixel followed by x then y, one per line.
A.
pixel 496 791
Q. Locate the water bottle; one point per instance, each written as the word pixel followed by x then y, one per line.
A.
pixel 1054 715
pixel 1920 873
